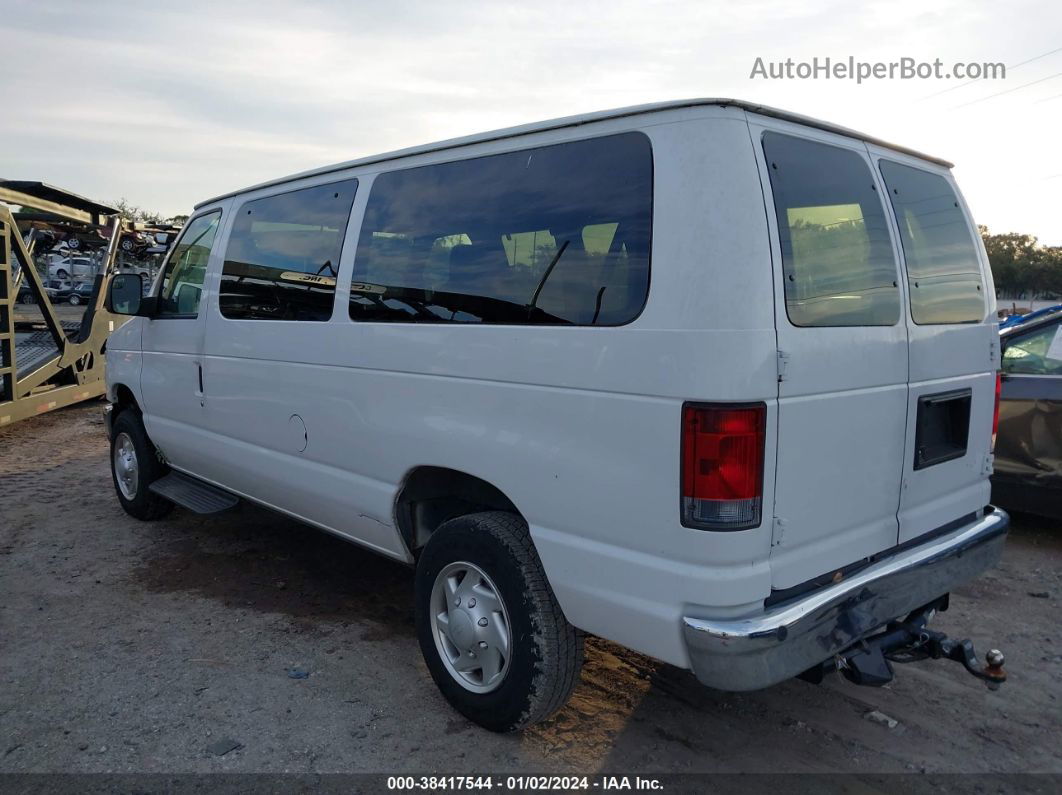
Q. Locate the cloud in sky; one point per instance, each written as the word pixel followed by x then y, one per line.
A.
pixel 166 106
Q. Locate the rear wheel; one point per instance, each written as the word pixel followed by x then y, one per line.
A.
pixel 135 466
pixel 490 629
pixel 75 299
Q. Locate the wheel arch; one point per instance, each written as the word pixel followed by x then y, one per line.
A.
pixel 122 398
pixel 431 495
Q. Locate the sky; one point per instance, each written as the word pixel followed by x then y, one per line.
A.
pixel 168 105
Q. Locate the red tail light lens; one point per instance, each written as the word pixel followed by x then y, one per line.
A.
pixel 722 466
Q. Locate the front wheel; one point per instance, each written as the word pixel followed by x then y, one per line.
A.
pixel 134 466
pixel 75 300
pixel 490 629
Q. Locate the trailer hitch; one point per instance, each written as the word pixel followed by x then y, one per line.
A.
pixel 867 663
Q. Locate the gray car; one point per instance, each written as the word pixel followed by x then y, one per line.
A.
pixel 1028 465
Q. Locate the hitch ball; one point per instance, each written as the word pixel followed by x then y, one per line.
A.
pixel 994 658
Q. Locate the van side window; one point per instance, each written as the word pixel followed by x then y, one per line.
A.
pixel 554 235
pixel 282 257
pixel 943 271
pixel 182 285
pixel 837 260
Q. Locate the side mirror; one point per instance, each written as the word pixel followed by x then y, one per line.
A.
pixel 125 294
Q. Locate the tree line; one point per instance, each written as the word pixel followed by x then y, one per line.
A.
pixel 1023 267
pixel 131 212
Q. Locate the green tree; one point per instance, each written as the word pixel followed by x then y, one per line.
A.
pixel 134 214
pixel 1021 265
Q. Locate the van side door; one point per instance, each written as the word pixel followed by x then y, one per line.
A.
pixel 282 416
pixel 171 376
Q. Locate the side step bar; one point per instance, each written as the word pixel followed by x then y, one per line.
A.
pixel 193 494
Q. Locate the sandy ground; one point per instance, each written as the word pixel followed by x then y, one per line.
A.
pixel 127 646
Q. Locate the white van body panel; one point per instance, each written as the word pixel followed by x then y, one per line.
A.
pixel 125 359
pixel 507 406
pixel 578 426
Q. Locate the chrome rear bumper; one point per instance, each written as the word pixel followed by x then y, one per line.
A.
pixel 752 653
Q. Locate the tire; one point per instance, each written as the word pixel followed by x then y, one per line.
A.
pixel 62 274
pixel 137 500
pixel 27 299
pixel 75 300
pixel 545 652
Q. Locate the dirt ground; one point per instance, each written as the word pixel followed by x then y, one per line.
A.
pixel 136 647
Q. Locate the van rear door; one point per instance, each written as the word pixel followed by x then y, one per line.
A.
pixel 843 352
pixel 954 352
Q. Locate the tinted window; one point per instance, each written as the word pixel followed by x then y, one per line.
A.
pixel 837 259
pixel 182 286
pixel 283 254
pixel 942 266
pixel 555 235
pixel 1036 353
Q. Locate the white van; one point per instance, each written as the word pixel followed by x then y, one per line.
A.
pixel 707 379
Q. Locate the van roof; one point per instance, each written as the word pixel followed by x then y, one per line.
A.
pixel 575 121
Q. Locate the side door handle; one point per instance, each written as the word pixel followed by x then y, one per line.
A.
pixel 199 389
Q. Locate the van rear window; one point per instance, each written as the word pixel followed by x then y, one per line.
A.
pixel 837 260
pixel 282 257
pixel 942 266
pixel 554 235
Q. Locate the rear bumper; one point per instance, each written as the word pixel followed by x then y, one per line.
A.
pixel 752 653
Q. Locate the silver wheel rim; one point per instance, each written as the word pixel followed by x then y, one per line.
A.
pixel 126 470
pixel 471 627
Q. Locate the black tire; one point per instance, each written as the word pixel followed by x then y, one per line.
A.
pixel 62 274
pixel 75 300
pixel 27 299
pixel 145 504
pixel 546 651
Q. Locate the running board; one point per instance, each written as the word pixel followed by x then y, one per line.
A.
pixel 193 494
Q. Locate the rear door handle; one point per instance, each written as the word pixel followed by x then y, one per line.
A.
pixel 199 376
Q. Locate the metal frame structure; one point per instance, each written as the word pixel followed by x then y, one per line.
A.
pixel 76 370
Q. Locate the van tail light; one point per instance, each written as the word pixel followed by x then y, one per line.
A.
pixel 722 465
pixel 995 411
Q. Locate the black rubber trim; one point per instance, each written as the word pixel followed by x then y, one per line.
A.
pixel 823 580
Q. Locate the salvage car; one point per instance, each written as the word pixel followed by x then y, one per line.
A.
pixel 74 267
pixel 1028 465
pixel 711 380
pixel 1017 320
pixel 80 294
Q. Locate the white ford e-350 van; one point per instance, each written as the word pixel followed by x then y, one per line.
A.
pixel 711 380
